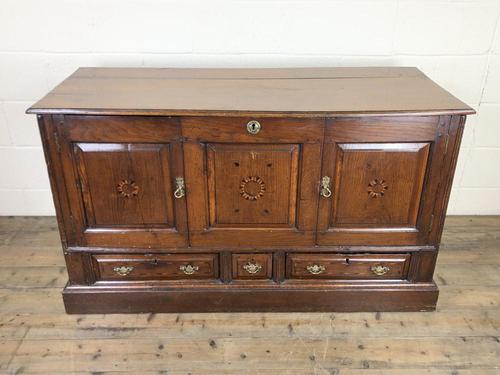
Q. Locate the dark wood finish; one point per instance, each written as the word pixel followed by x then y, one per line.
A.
pixel 254 213
pixel 347 266
pixel 87 300
pixel 155 267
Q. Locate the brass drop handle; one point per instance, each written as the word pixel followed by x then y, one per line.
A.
pixel 123 270
pixel 179 188
pixel 316 269
pixel 325 187
pixel 252 268
pixel 380 270
pixel 253 127
pixel 189 269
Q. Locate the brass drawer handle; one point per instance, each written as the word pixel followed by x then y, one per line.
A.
pixel 252 268
pixel 179 188
pixel 123 270
pixel 189 269
pixel 380 270
pixel 316 269
pixel 253 127
pixel 325 187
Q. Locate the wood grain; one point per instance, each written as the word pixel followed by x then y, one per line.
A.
pixel 294 92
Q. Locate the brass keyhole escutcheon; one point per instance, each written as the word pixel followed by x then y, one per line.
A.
pixel 253 127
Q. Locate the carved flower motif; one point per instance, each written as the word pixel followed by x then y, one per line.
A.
pixel 127 188
pixel 377 188
pixel 252 188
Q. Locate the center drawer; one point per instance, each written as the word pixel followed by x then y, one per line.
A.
pixel 347 266
pixel 139 267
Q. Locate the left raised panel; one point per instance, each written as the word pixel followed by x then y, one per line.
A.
pixel 125 172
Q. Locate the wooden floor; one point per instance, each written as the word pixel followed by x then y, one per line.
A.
pixel 461 337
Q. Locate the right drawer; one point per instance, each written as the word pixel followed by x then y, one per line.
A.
pixel 347 266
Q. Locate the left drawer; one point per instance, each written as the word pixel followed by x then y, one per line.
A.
pixel 141 267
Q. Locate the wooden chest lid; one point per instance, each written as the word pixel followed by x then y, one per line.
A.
pixel 292 92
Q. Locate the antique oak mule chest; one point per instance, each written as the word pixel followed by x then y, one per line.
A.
pixel 183 190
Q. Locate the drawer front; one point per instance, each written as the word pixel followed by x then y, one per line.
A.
pixel 346 266
pixel 122 267
pixel 252 266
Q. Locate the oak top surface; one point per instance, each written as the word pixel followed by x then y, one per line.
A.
pixel 296 91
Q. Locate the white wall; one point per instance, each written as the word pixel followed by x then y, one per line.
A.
pixel 456 43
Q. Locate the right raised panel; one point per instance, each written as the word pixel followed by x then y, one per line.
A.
pixel 380 179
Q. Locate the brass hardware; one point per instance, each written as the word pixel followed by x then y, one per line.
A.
pixel 325 187
pixel 179 188
pixel 189 269
pixel 252 268
pixel 123 270
pixel 253 127
pixel 316 269
pixel 380 270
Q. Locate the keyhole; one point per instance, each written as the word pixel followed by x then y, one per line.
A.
pixel 347 260
pixel 253 127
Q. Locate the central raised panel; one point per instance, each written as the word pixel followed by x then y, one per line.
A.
pixel 252 184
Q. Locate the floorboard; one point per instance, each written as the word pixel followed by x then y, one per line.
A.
pixel 461 338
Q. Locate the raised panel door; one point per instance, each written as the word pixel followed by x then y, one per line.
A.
pixel 122 174
pixel 380 173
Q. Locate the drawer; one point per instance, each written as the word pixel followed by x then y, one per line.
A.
pixel 347 266
pixel 138 267
pixel 253 130
pixel 252 266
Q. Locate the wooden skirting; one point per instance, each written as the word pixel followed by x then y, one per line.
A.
pixel 119 300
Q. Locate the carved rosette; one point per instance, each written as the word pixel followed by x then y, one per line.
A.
pixel 252 188
pixel 127 188
pixel 377 188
